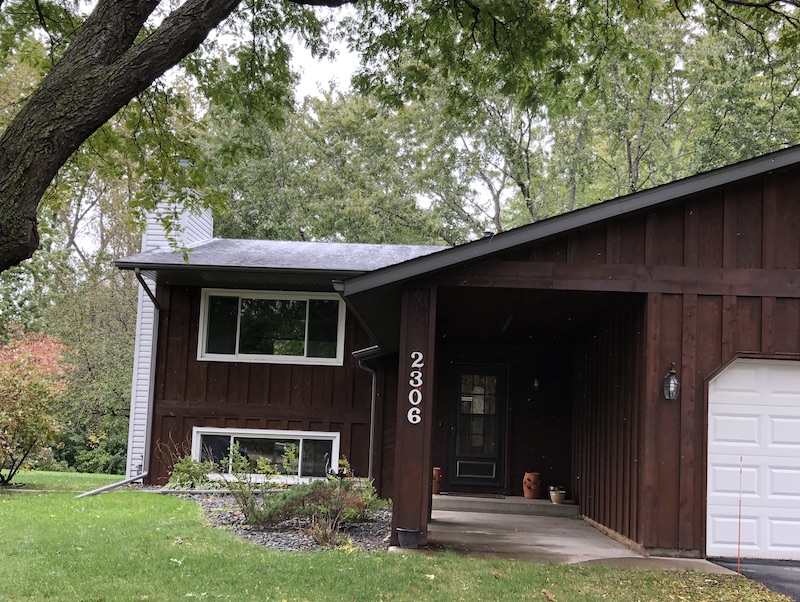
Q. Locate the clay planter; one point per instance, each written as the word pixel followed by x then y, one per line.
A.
pixel 557 496
pixel 531 484
pixel 436 484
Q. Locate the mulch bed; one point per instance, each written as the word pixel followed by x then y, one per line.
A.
pixel 220 511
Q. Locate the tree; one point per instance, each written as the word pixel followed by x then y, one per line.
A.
pixel 32 378
pixel 95 316
pixel 113 56
pixel 342 167
pixel 102 61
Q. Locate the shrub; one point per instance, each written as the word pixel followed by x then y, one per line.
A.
pixel 32 379
pixel 192 474
pixel 327 502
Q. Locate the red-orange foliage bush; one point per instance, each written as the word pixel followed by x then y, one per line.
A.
pixel 32 378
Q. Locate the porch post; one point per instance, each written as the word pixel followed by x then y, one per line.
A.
pixel 411 493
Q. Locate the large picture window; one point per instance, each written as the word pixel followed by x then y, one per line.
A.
pixel 295 454
pixel 275 327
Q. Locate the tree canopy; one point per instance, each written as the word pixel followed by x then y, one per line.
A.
pixel 94 65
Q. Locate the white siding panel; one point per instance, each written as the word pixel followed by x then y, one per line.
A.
pixel 195 227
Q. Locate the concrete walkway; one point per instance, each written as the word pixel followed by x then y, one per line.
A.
pixel 542 539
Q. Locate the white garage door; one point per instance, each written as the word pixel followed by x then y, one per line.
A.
pixel 754 456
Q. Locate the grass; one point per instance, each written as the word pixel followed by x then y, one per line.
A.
pixel 62 481
pixel 130 545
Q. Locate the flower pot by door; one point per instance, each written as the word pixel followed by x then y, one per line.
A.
pixel 436 485
pixel 556 496
pixel 531 484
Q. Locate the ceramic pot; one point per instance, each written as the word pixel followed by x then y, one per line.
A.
pixel 531 484
pixel 436 484
pixel 557 496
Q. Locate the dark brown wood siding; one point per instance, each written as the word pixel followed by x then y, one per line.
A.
pixel 721 275
pixel 192 393
pixel 606 427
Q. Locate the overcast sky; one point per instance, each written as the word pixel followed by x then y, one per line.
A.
pixel 316 74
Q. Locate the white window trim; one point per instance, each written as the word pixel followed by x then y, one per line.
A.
pixel 268 359
pixel 334 437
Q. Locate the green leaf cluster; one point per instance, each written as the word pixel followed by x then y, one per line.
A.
pixel 32 379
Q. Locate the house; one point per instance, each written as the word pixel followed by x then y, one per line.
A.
pixel 545 348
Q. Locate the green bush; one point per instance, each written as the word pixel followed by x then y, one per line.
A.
pixel 192 474
pixel 326 502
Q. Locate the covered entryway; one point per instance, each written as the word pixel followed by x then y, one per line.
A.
pixel 510 363
pixel 754 459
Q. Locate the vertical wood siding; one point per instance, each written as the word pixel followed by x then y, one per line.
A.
pixel 606 425
pixel 750 225
pixel 191 393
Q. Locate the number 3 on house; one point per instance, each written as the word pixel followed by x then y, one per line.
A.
pixel 415 381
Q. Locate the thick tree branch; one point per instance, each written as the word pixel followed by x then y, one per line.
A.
pixel 102 70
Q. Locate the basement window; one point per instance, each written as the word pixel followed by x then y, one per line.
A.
pixel 271 327
pixel 298 455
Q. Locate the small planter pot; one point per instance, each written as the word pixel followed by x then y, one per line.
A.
pixel 436 484
pixel 557 496
pixel 531 484
pixel 408 538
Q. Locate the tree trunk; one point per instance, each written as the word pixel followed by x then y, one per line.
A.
pixel 100 72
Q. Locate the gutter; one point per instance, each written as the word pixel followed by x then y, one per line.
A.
pixel 362 355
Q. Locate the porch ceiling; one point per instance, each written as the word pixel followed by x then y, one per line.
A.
pixel 516 316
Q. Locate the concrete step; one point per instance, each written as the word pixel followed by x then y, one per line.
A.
pixel 507 505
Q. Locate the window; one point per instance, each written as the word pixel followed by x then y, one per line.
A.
pixel 303 454
pixel 274 327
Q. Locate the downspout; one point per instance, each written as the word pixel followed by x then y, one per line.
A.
pixel 151 387
pixel 362 355
pixel 113 485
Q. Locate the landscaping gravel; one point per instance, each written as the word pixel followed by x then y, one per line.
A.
pixel 220 511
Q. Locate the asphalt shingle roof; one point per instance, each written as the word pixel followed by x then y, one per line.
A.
pixel 220 253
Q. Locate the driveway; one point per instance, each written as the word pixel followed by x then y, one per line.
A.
pixel 779 576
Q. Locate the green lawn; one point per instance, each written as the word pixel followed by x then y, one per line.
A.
pixel 131 545
pixel 63 481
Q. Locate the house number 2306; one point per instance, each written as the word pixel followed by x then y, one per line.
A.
pixel 415 381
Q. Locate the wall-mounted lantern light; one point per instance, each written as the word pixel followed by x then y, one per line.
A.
pixel 672 386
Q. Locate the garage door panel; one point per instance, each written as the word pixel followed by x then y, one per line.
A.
pixel 785 535
pixel 784 483
pixel 743 380
pixel 724 531
pixel 726 482
pixel 784 431
pixel 735 430
pixel 761 536
pixel 754 459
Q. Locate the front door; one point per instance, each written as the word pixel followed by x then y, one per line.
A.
pixel 477 446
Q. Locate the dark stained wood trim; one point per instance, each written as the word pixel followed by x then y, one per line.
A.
pixel 767 324
pixel 648 461
pixel 688 426
pixel 412 475
pixel 627 278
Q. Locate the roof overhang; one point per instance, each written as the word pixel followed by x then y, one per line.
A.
pixel 239 277
pixel 375 296
pixel 580 218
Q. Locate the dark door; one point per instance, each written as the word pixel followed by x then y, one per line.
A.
pixel 477 446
